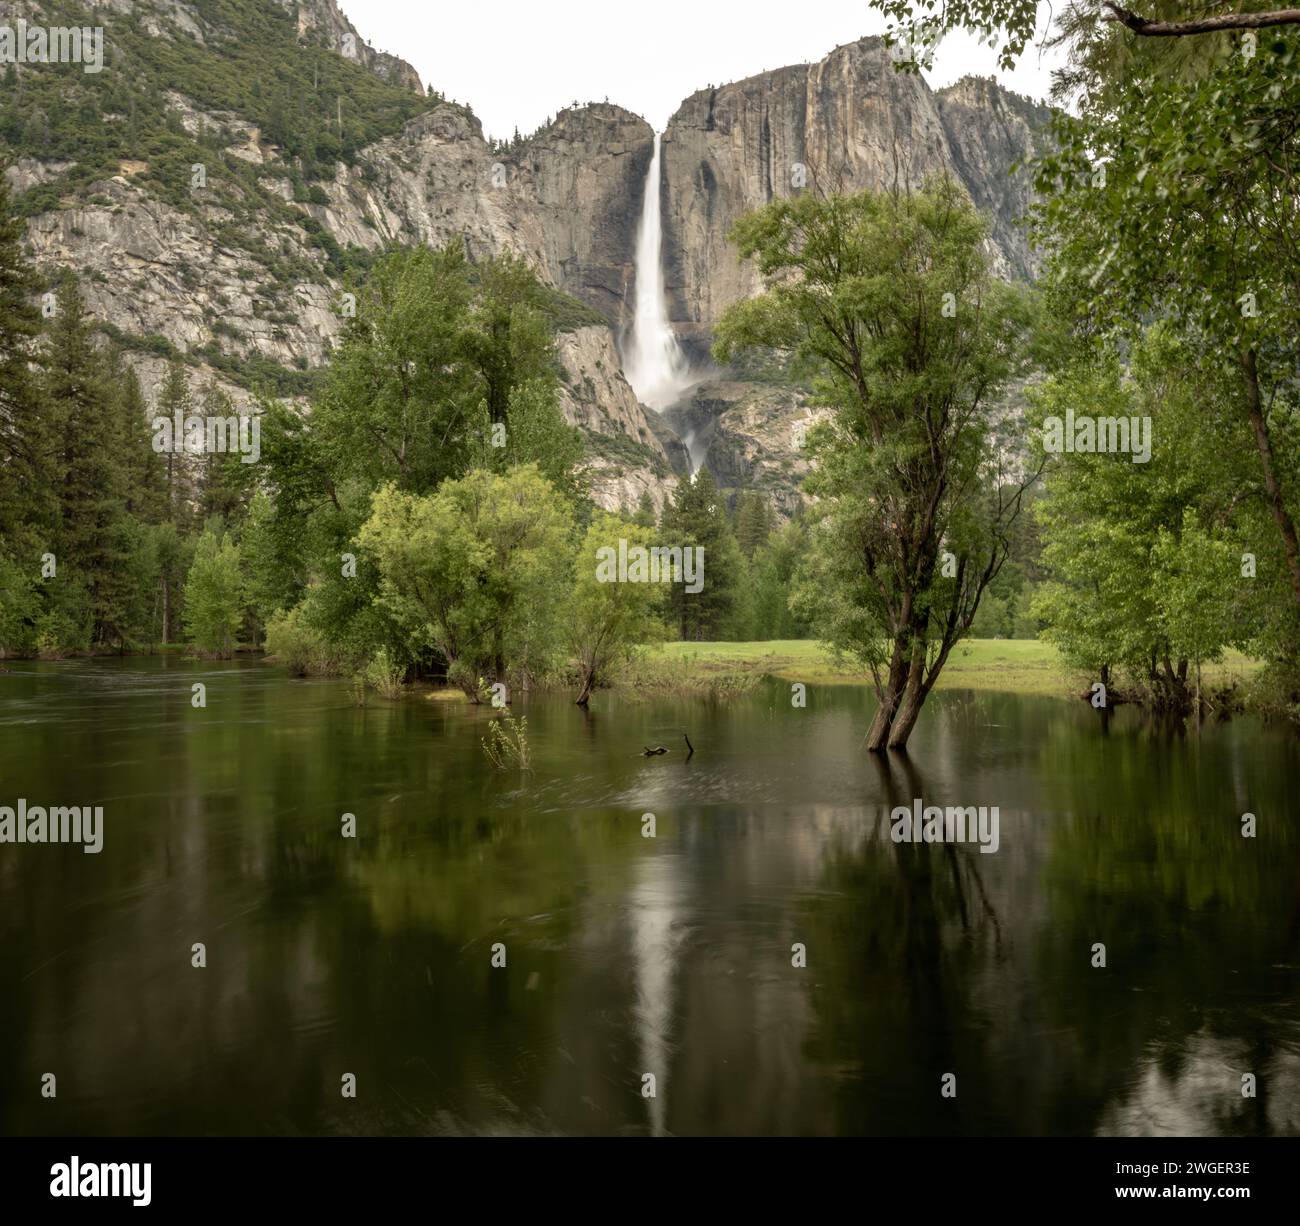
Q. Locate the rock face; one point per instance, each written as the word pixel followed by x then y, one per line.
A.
pixel 583 176
pixel 242 273
pixel 750 436
pixel 848 122
pixel 566 198
pixel 323 17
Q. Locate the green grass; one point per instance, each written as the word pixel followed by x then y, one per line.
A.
pixel 1018 666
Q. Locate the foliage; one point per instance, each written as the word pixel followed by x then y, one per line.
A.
pixel 214 595
pixel 605 621
pixel 697 519
pixel 887 299
pixel 471 570
pixel 506 744
pixel 1144 565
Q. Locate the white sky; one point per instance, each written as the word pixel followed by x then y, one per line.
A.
pixel 518 61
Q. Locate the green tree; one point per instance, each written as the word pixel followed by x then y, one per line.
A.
pixel 472 571
pixel 888 301
pixel 1175 195
pixel 1129 548
pixel 753 521
pixel 143 471
pixel 697 518
pixel 214 595
pixel 82 406
pixel 771 580
pixel 645 514
pixel 175 401
pixel 606 621
pixel 27 494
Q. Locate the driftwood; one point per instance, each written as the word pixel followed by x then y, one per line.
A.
pixel 647 752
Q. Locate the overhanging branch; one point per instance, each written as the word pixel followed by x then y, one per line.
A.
pixel 1201 25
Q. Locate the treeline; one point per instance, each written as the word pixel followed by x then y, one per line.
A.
pixel 426 516
pixel 97 529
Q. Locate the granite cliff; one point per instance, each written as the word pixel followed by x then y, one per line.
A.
pixel 222 220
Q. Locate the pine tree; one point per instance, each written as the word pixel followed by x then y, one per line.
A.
pixel 645 510
pixel 753 522
pixel 175 397
pixel 145 490
pixel 83 410
pixel 219 489
pixel 26 447
pixel 698 518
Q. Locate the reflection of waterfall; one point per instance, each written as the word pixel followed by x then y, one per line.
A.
pixel 654 363
pixel 655 904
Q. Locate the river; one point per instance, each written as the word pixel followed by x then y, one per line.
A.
pixel 628 956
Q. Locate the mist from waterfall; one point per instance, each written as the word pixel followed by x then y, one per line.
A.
pixel 654 362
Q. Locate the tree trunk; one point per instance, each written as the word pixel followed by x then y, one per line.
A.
pixel 878 733
pixel 1272 487
pixel 913 699
pixel 588 677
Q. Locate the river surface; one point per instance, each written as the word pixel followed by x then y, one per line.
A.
pixel 628 956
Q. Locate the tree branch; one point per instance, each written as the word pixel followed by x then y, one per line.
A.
pixel 1202 25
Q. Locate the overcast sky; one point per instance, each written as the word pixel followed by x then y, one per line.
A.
pixel 518 61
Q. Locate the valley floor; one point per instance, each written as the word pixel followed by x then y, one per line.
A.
pixel 1020 666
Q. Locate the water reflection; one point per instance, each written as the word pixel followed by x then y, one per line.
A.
pixel 629 955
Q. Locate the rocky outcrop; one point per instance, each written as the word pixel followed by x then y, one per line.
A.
pixel 595 396
pixel 323 20
pixel 750 435
pixel 848 122
pixel 989 131
pixel 582 177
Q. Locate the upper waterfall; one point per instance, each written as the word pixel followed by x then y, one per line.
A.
pixel 654 363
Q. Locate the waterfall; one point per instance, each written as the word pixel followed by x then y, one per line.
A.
pixel 654 363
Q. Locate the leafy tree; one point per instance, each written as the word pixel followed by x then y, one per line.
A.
pixel 446 368
pixel 771 580
pixel 607 621
pixel 888 300
pixel 214 595
pixel 1177 196
pixel 472 572
pixel 1129 548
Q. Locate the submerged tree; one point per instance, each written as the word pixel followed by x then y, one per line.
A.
pixel 887 299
